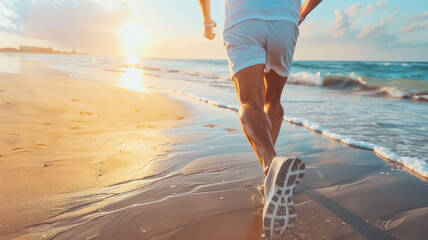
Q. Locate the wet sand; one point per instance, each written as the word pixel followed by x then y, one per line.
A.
pixel 205 185
pixel 61 139
pixel 207 188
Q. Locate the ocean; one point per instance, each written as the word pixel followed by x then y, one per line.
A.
pixel 379 106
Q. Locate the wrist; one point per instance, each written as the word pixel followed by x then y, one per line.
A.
pixel 207 20
pixel 208 23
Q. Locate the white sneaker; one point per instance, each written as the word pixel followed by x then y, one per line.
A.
pixel 279 214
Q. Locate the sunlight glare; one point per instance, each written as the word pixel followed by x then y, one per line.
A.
pixel 132 79
pixel 132 37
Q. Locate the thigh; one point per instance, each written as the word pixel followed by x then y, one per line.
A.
pixel 281 42
pixel 249 84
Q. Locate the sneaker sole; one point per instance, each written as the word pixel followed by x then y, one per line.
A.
pixel 291 209
pixel 279 213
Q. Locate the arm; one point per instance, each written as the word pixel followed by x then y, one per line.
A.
pixel 208 22
pixel 307 8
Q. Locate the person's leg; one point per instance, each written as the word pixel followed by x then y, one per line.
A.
pixel 274 84
pixel 250 87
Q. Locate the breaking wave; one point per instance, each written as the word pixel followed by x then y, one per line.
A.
pixel 330 81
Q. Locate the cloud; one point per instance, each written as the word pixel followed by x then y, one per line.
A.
pixel 423 16
pixel 112 5
pixel 348 48
pixel 341 24
pixel 13 40
pixel 414 27
pixel 378 5
pixel 354 10
pixel 345 19
pixel 79 24
pixel 313 29
pixel 7 15
pixel 377 29
pixel 94 28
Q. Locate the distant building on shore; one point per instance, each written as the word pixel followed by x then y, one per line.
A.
pixel 33 49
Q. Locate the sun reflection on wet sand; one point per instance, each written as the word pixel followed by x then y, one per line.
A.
pixel 133 79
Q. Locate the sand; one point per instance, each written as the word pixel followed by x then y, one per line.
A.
pixel 208 189
pixel 62 137
pixel 204 184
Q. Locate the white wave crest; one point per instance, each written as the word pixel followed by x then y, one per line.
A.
pixel 394 92
pixel 305 78
pixel 420 97
pixel 414 164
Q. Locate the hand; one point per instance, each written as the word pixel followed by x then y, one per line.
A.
pixel 209 28
pixel 301 20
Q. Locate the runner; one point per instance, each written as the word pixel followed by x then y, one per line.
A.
pixel 260 37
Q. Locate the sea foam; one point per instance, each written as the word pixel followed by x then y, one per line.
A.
pixel 418 166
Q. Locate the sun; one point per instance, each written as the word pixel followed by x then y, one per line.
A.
pixel 133 40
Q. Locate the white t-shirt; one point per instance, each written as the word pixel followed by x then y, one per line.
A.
pixel 270 10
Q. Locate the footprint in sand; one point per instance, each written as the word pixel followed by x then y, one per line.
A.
pixel 76 127
pixel 227 129
pixel 75 100
pixel 18 148
pixel 179 118
pixel 1 90
pixel 41 145
pixel 85 113
pixel 145 126
pixel 231 129
pixel 80 121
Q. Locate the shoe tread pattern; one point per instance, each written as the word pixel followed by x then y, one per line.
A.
pixel 279 214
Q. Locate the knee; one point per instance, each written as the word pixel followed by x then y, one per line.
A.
pixel 252 113
pixel 249 108
pixel 274 109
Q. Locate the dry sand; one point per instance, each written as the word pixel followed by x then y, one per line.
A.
pixel 61 137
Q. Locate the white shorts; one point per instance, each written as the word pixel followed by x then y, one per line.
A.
pixel 257 41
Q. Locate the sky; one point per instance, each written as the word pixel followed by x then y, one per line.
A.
pixel 379 30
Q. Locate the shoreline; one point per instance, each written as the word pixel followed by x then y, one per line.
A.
pixel 209 189
pixel 415 166
pixel 62 138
